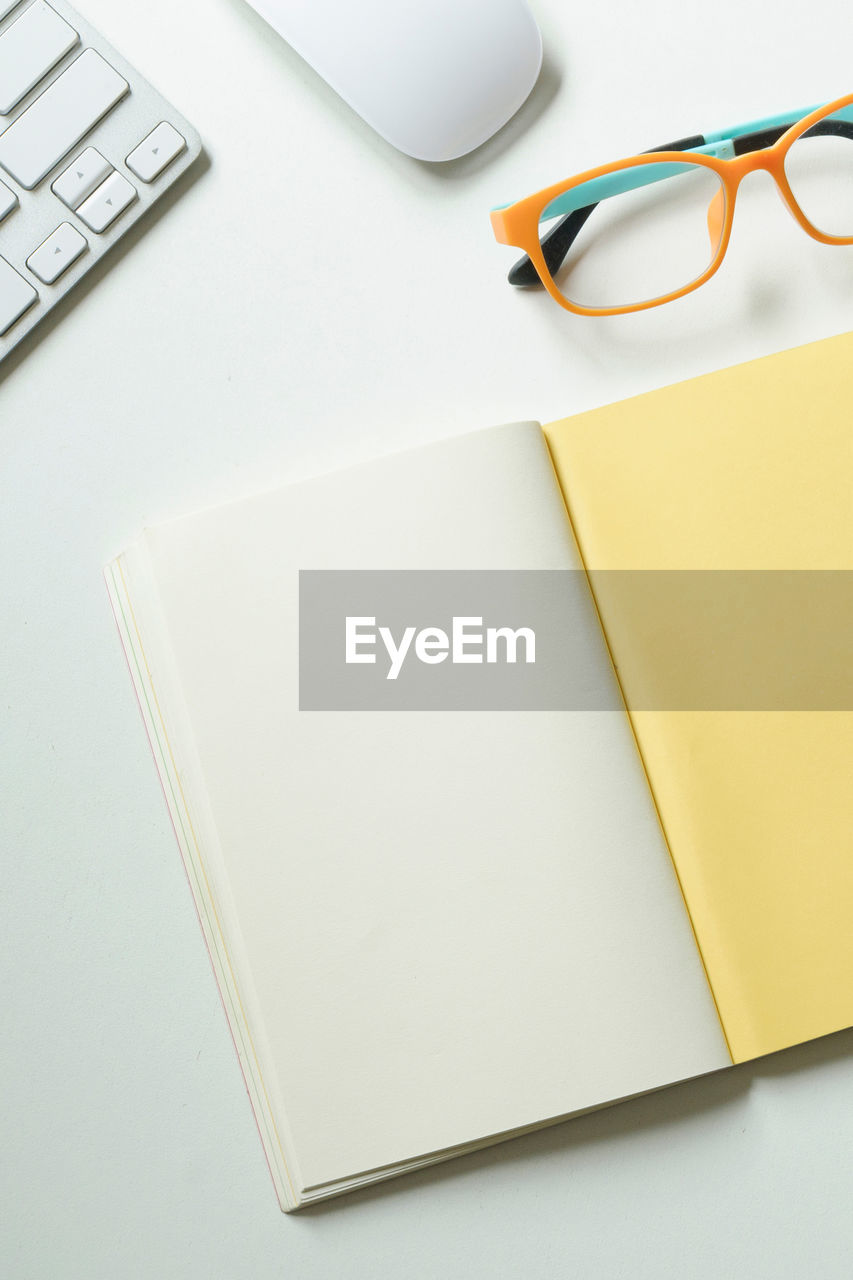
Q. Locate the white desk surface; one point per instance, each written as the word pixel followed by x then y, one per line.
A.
pixel 312 299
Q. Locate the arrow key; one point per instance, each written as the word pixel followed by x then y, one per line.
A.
pixel 81 178
pixel 56 254
pixel 104 205
pixel 156 152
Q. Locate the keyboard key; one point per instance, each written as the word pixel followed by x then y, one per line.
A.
pixel 8 201
pixel 28 50
pixel 104 205
pixel 57 253
pixel 156 152
pixel 81 178
pixel 16 296
pixel 6 6
pixel 57 120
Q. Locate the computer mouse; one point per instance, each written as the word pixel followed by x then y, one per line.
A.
pixel 435 78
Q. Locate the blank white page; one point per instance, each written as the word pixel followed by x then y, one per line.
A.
pixel 446 925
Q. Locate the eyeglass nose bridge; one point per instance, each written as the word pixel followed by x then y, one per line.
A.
pixel 769 160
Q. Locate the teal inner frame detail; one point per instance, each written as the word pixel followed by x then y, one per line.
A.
pixel 641 175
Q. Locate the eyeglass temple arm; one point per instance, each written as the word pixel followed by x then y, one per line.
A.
pixel 743 139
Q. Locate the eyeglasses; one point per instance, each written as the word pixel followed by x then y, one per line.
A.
pixel 662 222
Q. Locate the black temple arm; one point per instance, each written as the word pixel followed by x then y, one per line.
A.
pixel 559 240
pixel 760 139
pixel 766 137
pixel 555 245
pixel 680 144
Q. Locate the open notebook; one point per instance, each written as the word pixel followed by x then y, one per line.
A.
pixel 432 931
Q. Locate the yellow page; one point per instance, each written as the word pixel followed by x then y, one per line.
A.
pixel 750 468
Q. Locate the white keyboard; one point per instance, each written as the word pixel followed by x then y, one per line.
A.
pixel 86 148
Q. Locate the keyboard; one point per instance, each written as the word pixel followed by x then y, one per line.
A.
pixel 87 146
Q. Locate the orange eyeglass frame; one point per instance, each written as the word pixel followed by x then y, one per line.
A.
pixel 518 224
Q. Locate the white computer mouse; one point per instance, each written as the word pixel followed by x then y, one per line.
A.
pixel 435 78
